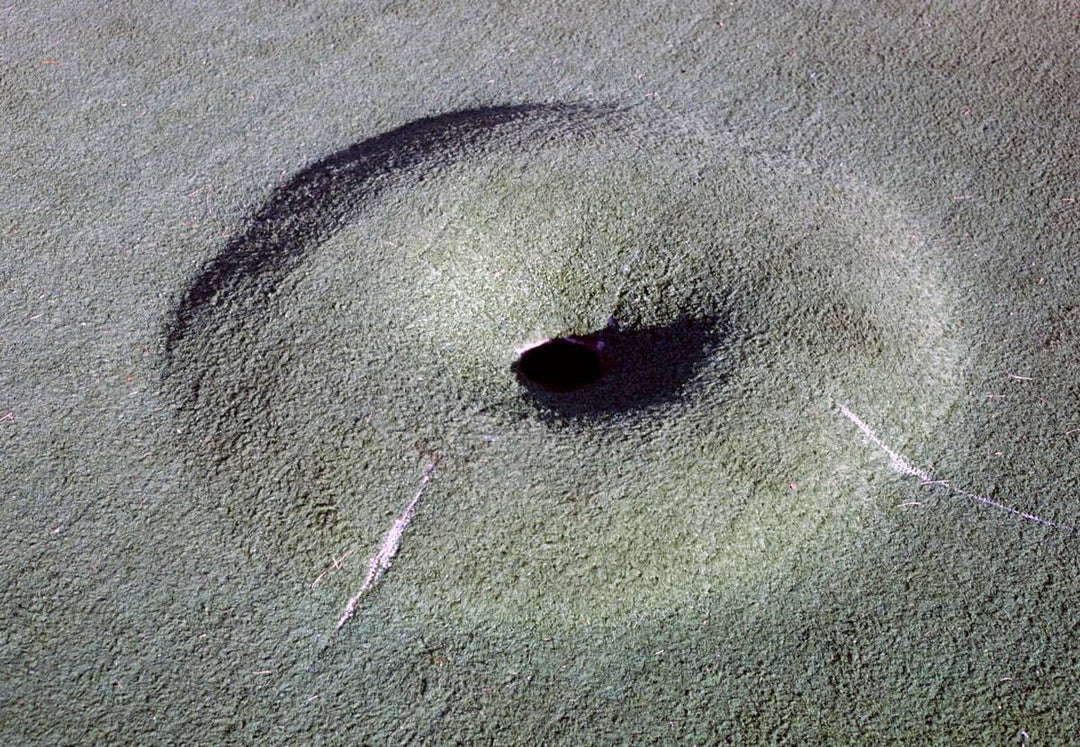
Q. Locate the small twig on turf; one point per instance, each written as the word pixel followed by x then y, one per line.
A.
pixel 332 567
pixel 380 561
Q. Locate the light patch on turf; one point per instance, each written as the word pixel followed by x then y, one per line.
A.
pixel 903 465
pixel 388 550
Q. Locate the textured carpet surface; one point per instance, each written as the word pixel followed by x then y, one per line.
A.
pixel 266 280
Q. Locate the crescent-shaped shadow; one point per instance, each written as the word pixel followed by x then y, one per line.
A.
pixel 318 201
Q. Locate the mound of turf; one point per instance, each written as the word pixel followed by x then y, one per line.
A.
pixel 395 298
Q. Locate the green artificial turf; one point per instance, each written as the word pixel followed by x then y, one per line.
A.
pixel 263 265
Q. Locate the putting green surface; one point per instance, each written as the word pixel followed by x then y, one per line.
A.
pixel 268 275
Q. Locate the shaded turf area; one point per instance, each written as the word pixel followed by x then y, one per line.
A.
pixel 706 373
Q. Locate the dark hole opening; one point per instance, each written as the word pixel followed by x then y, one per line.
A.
pixel 560 365
pixel 620 370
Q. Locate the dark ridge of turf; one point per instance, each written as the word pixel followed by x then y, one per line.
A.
pixel 312 205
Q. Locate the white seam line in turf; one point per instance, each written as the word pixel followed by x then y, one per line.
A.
pixel 380 561
pixel 901 464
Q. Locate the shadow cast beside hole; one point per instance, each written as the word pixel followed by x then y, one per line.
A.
pixel 618 371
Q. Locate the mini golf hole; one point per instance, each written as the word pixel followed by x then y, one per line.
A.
pixel 560 365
